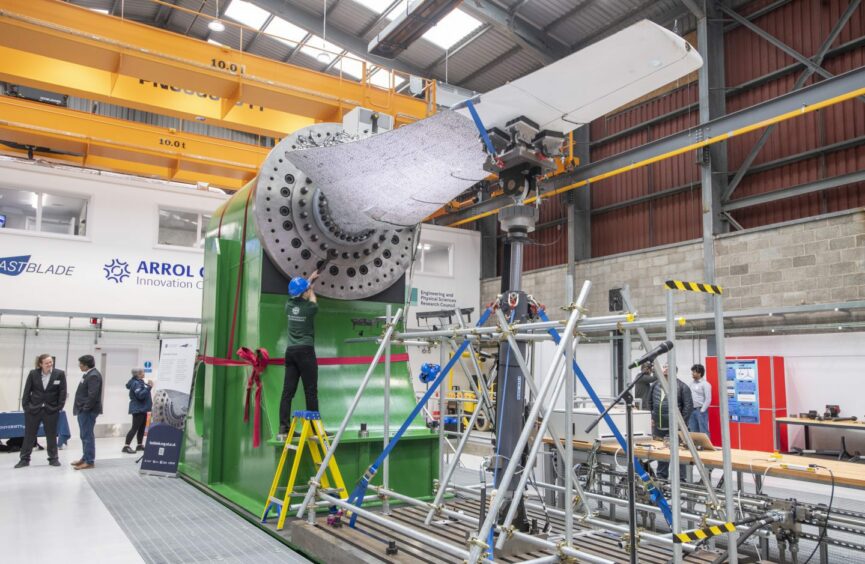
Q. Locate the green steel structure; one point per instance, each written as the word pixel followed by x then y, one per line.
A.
pixel 244 289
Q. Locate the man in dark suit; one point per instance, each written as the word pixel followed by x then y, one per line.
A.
pixel 87 406
pixel 43 398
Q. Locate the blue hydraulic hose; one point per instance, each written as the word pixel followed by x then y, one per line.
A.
pixel 356 497
pixel 654 494
pixel 481 129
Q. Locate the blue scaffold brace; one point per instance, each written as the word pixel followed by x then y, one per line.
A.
pixel 356 497
pixel 654 493
pixel 481 129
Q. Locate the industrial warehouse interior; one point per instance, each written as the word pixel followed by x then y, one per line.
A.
pixel 436 281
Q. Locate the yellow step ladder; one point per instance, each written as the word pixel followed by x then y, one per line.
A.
pixel 311 434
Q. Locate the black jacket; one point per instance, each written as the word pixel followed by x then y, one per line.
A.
pixel 660 405
pixel 643 388
pixel 51 399
pixel 88 396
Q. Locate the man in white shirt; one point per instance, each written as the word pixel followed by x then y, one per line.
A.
pixel 701 394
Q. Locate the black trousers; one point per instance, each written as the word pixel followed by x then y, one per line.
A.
pixel 31 427
pixel 664 466
pixel 139 422
pixel 300 364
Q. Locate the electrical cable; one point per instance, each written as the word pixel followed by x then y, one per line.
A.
pixel 828 513
pixel 547 521
pixel 751 530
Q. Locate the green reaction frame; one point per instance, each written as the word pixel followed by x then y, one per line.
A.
pixel 217 451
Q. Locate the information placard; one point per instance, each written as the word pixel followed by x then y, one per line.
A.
pixel 170 406
pixel 743 391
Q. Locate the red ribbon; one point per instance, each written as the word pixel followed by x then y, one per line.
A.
pixel 260 359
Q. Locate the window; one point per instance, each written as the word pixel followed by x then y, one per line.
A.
pixel 182 228
pixel 45 213
pixel 451 29
pixel 247 13
pixel 285 32
pixel 435 258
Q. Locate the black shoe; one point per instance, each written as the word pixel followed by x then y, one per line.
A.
pixel 54 462
pixel 22 463
pixel 139 448
pixel 128 450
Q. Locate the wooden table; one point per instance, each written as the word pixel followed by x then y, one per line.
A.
pixel 847 474
pixel 808 423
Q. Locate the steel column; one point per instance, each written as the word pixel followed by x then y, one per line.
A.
pixel 713 164
pixel 672 384
pixel 723 401
pixel 385 469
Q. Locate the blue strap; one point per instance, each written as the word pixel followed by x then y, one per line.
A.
pixel 359 492
pixel 654 494
pixel 480 125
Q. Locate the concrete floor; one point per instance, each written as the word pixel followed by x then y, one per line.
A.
pixel 51 514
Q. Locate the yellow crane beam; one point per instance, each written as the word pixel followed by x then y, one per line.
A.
pixel 111 144
pixel 65 48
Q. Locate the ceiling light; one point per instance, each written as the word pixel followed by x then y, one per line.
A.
pixel 216 25
pixel 323 58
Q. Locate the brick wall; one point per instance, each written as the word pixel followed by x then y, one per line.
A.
pixel 807 262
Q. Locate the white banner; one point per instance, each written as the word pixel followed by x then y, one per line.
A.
pixel 177 364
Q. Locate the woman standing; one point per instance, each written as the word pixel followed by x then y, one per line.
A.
pixel 140 404
pixel 43 398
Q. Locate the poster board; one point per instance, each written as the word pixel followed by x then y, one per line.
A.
pixel 743 390
pixel 170 406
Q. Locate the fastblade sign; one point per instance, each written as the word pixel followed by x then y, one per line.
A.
pixel 15 266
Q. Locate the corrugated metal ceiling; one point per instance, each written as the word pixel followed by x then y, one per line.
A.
pixel 495 58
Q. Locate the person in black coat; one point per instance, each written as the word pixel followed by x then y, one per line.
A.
pixel 659 405
pixel 87 407
pixel 43 399
pixel 140 404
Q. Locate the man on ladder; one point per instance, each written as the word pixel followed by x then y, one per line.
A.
pixel 300 360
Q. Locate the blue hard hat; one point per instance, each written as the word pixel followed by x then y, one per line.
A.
pixel 297 286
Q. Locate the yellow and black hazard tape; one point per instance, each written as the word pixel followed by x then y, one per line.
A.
pixel 693 287
pixel 702 534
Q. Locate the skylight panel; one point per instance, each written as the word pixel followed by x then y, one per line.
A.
pixel 451 29
pixel 100 10
pixel 286 32
pixel 246 13
pixel 377 6
pixel 320 49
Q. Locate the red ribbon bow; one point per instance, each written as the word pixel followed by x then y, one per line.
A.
pixel 258 359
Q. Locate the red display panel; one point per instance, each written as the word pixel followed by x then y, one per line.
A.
pixel 759 396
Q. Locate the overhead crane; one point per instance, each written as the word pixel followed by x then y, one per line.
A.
pixel 68 49
pixel 134 148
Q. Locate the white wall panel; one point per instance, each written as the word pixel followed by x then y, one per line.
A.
pixel 122 226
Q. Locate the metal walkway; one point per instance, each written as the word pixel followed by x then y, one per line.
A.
pixel 170 521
